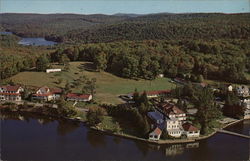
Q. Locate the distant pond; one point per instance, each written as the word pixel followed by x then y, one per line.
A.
pixel 5 33
pixel 36 42
pixel 40 41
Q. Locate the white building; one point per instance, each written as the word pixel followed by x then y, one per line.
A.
pixel 190 131
pixel 53 70
pixel 79 97
pixel 172 111
pixel 10 93
pixel 242 91
pixel 246 104
pixel 156 134
pixel 173 127
pixel 47 94
pixel 230 88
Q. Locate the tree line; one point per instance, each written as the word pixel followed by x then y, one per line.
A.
pixel 226 60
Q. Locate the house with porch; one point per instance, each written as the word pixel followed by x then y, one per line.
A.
pixel 10 93
pixel 47 94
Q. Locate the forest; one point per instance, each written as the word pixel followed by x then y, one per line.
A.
pixel 192 46
pixel 226 60
pixel 109 28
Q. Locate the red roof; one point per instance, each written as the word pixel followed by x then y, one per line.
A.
pixel 157 131
pixel 78 96
pixel 159 92
pixel 170 109
pixel 11 88
pixel 43 95
pixel 189 127
pixel 51 91
pixel 10 94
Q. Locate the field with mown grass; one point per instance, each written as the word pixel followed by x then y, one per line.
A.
pixel 109 86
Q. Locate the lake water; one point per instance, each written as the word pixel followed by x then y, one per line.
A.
pixel 36 42
pixel 37 138
pixel 32 41
pixel 5 33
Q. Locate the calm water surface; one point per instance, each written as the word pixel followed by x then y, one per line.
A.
pixel 43 139
pixel 36 42
pixel 5 33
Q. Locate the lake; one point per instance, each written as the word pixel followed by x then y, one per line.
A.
pixel 38 138
pixel 36 42
pixel 5 33
pixel 32 41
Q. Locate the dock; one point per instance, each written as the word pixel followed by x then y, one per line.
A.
pixel 234 133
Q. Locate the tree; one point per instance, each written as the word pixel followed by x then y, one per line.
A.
pixel 136 97
pixel 233 107
pixel 64 109
pixel 90 87
pixel 42 63
pixel 100 61
pixel 64 59
pixel 59 80
pixel 95 115
pixel 67 87
pixel 207 109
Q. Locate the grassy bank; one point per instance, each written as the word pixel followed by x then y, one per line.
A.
pixel 109 86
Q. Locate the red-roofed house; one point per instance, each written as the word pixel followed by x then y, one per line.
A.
pixel 156 134
pixel 10 93
pixel 190 131
pixel 47 94
pixel 78 97
pixel 172 111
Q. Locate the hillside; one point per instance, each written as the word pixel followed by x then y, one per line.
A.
pixel 49 25
pixel 108 28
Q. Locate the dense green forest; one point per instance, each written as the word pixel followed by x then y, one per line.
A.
pixel 52 25
pixel 15 58
pixel 226 60
pixel 194 46
pixel 104 28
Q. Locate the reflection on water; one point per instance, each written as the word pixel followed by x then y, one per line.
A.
pixel 42 138
pixel 175 149
pixel 96 139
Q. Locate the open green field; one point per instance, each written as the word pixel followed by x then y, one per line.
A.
pixel 109 86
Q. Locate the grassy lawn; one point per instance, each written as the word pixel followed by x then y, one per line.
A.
pixel 109 86
pixel 108 124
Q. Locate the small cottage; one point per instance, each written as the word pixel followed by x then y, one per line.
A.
pixel 155 134
pixel 190 131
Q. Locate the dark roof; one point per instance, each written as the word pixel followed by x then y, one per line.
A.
pixel 189 127
pixel 155 115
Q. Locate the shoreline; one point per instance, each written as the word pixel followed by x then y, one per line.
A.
pixel 126 136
